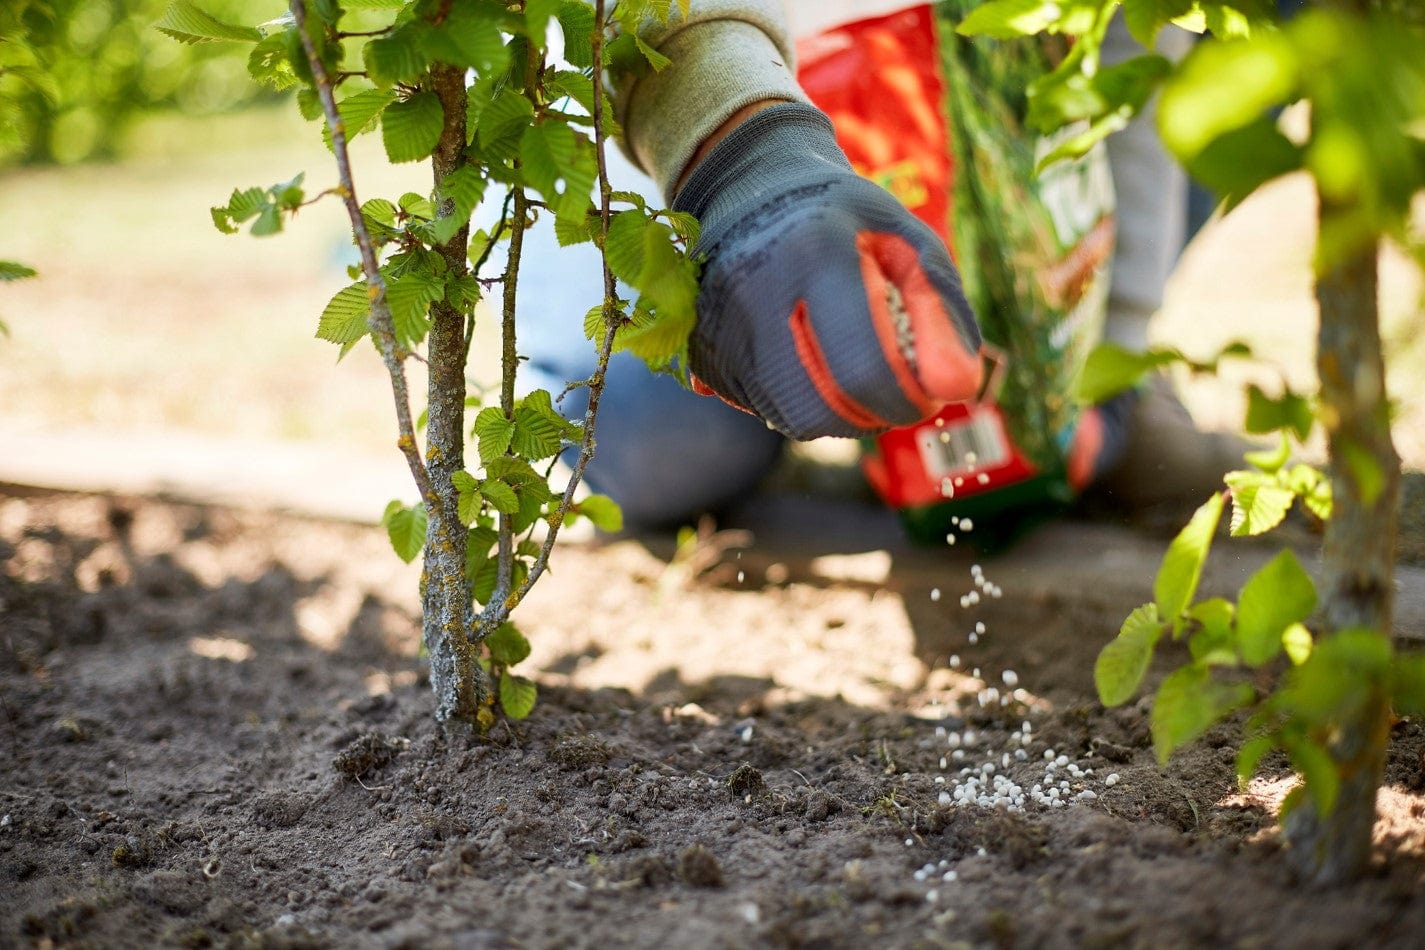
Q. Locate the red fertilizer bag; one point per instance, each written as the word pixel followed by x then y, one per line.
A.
pixel 938 120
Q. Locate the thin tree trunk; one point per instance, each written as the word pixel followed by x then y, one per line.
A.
pixel 458 681
pixel 1358 556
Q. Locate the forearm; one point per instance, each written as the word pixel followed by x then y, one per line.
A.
pixel 729 58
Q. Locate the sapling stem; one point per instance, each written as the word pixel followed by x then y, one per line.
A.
pixel 456 678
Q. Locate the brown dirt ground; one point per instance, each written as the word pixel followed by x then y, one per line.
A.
pixel 214 733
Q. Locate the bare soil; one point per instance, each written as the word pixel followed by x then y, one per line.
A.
pixel 215 733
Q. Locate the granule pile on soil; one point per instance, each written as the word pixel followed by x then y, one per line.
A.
pixel 215 733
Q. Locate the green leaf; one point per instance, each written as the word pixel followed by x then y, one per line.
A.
pixel 1407 684
pixel 1298 643
pixel 399 56
pixel 1290 412
pixel 1007 19
pixel 470 38
pixel 359 112
pixel 501 125
pixel 1177 579
pixel 1146 18
pixel 406 527
pixel 344 319
pixel 186 23
pixel 268 64
pixel 573 229
pixel 468 501
pixel 1239 161
pixel 1222 87
pixel 603 511
pixel 411 129
pixel 1271 461
pixel 508 647
pixel 1213 643
pixel 409 298
pixel 13 270
pixel 1340 674
pixel 1259 502
pixel 657 60
pixel 576 20
pixel 1314 489
pixel 1274 598
pixel 1111 369
pixel 494 433
pixel 501 497
pixel 517 695
pixel 537 14
pixel 1189 702
pixel 536 436
pixel 1124 660
pixel 458 195
pixel 1250 756
pixel 545 150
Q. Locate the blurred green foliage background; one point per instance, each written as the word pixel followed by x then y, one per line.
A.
pixel 76 75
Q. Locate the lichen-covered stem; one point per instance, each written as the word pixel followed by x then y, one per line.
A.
pixel 1358 555
pixel 458 681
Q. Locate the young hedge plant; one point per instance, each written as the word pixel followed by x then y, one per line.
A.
pixel 1315 666
pixel 470 87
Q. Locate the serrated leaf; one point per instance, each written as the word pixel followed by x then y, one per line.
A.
pixel 359 113
pixel 501 497
pixel 576 21
pixel 409 298
pixel 344 318
pixel 1189 702
pixel 1270 461
pixel 1274 598
pixel 573 229
pixel 508 647
pixel 468 500
pixel 1314 489
pixel 546 150
pixel 268 63
pixel 685 225
pixel 470 38
pixel 517 695
pixel 537 14
pixel 536 437
pixel 1222 87
pixel 603 511
pixel 494 433
pixel 406 527
pixel 502 123
pixel 1123 661
pixel 1259 502
pixel 657 60
pixel 1178 576
pixel 186 23
pixel 411 129
pixel 399 56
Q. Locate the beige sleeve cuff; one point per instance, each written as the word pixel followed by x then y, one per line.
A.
pixel 718 66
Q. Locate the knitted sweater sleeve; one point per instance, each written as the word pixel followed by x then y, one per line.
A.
pixel 725 54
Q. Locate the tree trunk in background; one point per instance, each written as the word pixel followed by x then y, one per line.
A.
pixel 1358 556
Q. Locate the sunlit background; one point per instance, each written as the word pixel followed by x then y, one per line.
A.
pixel 150 340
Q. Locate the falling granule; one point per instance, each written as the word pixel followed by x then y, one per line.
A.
pixel 976 570
pixel 971 459
pixel 983 479
pixel 954 661
pixel 741 577
pixel 966 524
pixel 959 481
pixel 979 626
pixel 974 639
pixel 950 539
pixel 935 593
pixel 1011 678
pixel 947 487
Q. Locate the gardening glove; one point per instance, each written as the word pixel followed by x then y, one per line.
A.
pixel 826 307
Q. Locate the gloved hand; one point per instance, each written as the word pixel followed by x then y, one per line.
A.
pixel 826 307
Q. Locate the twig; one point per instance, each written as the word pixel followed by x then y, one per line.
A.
pixel 379 320
pixel 498 609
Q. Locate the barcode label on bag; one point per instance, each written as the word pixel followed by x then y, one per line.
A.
pixel 974 444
